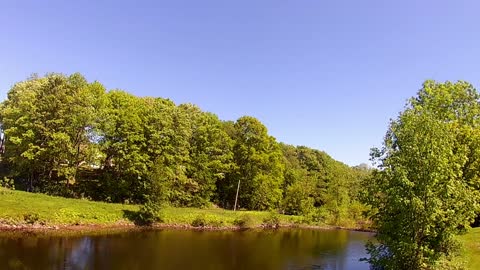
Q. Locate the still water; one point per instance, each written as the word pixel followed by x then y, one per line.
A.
pixel 176 249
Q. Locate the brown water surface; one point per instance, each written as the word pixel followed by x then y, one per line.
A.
pixel 177 249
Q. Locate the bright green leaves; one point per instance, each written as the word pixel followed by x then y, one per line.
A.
pixel 423 193
pixel 45 122
pixel 71 137
pixel 258 167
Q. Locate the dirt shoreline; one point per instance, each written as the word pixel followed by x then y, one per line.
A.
pixel 119 227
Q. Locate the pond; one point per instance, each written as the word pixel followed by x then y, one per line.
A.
pixel 179 249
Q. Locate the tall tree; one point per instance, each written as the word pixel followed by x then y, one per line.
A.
pixel 421 193
pixel 298 186
pixel 210 154
pixel 258 167
pixel 123 145
pixel 49 123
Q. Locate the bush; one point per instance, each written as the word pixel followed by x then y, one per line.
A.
pixel 148 214
pixel 317 216
pixel 297 199
pixel 214 221
pixel 31 218
pixel 199 222
pixel 244 222
pixel 203 220
pixel 7 183
pixel 55 189
pixel 271 221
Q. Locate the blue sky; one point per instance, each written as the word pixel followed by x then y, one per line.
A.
pixel 326 74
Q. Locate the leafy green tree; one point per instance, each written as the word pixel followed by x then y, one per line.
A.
pixel 298 185
pixel 210 154
pixel 188 152
pixel 458 104
pixel 258 167
pixel 167 133
pixel 421 194
pixel 49 123
pixel 123 145
pixel 336 196
pixel 298 199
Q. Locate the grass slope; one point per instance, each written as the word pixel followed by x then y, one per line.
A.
pixel 18 207
pixel 471 250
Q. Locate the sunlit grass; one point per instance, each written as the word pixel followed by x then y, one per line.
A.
pixel 471 249
pixel 18 207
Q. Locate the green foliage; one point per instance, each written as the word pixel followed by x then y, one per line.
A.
pixel 149 214
pixel 318 216
pixel 7 183
pixel 210 155
pixel 297 199
pixel 69 137
pixel 205 220
pixel 244 222
pixel 320 188
pixel 199 221
pixel 271 221
pixel 31 218
pixel 258 168
pixel 427 182
pixel 48 123
pixel 122 142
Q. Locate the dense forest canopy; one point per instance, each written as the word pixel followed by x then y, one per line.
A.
pixel 67 136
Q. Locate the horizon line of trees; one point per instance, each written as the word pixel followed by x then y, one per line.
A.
pixel 66 136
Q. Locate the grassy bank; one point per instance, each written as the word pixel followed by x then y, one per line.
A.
pixel 18 208
pixel 471 248
pixel 23 208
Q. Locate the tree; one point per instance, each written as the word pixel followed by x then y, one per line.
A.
pixel 210 154
pixel 124 145
pixel 298 199
pixel 421 194
pixel 298 186
pixel 49 123
pixel 258 167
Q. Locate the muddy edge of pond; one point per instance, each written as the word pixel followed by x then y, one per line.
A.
pixel 121 227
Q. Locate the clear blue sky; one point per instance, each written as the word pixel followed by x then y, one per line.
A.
pixel 326 74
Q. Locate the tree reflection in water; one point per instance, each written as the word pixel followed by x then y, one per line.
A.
pixel 171 249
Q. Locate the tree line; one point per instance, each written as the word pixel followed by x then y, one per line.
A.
pixel 66 136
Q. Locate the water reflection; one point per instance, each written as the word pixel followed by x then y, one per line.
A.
pixel 169 249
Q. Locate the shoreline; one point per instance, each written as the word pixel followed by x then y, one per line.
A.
pixel 122 227
pixel 39 213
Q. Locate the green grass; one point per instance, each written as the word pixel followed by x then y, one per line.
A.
pixel 221 217
pixel 15 206
pixel 18 207
pixel 471 248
